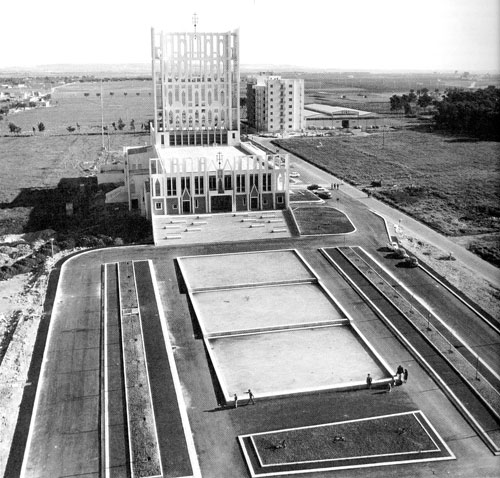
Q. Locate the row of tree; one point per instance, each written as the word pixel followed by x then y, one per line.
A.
pixel 475 113
pixel 111 93
pixel 117 126
pixel 421 98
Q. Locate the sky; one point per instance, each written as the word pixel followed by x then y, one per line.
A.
pixel 370 35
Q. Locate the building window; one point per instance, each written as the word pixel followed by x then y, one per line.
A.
pixel 196 205
pixel 198 185
pixel 240 183
pixel 212 183
pixel 280 199
pixel 171 186
pixel 158 205
pixel 157 188
pixel 174 206
pixel 228 182
pixel 244 201
pixel 265 201
pixel 254 181
pixel 186 184
pixel 266 182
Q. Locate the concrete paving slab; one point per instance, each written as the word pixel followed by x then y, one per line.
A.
pixel 218 228
pixel 231 270
pixel 294 361
pixel 258 308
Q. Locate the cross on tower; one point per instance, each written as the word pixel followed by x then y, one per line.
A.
pixel 195 22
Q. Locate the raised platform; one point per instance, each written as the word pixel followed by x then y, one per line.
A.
pixel 270 326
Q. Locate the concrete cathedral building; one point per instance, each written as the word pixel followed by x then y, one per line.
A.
pixel 196 163
pixel 275 104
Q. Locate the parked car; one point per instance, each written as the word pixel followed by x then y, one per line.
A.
pixel 294 174
pixel 321 190
pixel 323 194
pixel 313 187
pixel 392 246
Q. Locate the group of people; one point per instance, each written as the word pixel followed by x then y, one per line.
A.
pixel 401 374
pixel 250 398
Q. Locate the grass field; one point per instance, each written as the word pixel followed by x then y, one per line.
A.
pixel 379 436
pixel 445 182
pixel 43 159
pixel 324 220
pixel 69 106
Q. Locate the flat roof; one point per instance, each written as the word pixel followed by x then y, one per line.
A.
pixel 333 110
pixel 189 156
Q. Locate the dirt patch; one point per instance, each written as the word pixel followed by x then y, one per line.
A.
pixel 21 310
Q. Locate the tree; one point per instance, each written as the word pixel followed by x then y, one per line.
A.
pixel 396 103
pixel 121 124
pixel 125 93
pixel 111 93
pixel 13 128
pixel 405 101
pixel 476 113
pixel 86 94
pixel 41 127
pixel 137 93
pixel 70 129
pixel 424 101
pixel 132 125
pixel 98 94
pixel 114 125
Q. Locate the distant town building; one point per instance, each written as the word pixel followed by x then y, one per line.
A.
pixel 326 116
pixel 275 104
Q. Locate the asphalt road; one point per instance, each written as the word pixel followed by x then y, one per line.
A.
pixel 64 438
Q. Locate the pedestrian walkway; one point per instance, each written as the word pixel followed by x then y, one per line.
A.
pixel 194 229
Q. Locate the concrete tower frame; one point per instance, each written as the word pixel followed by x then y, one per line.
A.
pixel 196 88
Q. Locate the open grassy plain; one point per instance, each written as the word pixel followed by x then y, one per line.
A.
pixel 30 161
pixel 128 99
pixel 446 182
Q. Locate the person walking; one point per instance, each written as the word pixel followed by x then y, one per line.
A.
pixel 399 372
pixel 250 397
pixel 369 381
pixel 235 401
pixel 405 375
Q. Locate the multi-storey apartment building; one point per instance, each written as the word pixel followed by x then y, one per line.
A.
pixel 275 104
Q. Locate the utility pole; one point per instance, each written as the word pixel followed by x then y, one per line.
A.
pixel 102 118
